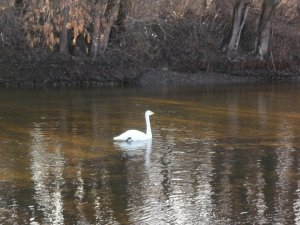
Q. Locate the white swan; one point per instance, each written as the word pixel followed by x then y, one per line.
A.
pixel 135 135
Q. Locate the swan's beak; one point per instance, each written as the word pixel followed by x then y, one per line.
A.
pixel 151 113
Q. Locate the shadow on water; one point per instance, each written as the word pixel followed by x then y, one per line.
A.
pixel 219 155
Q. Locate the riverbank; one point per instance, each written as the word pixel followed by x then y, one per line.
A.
pixel 21 70
pixel 89 76
pixel 157 49
pixel 156 77
pixel 121 71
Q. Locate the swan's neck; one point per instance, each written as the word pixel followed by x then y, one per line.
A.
pixel 148 126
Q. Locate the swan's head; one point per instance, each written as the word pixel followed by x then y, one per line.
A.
pixel 149 113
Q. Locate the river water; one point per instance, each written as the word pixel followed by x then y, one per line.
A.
pixel 219 155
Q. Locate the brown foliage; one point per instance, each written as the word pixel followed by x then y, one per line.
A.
pixel 183 34
pixel 43 21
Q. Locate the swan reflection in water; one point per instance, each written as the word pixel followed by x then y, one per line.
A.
pixel 136 148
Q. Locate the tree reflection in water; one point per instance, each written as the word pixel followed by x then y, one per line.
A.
pixel 47 174
pixel 221 157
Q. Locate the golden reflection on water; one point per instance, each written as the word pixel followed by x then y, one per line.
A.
pixel 218 156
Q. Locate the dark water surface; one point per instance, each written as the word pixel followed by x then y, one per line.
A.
pixel 219 155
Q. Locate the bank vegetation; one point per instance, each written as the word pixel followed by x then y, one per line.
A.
pixel 121 38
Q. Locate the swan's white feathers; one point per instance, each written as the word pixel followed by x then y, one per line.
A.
pixel 135 135
pixel 131 135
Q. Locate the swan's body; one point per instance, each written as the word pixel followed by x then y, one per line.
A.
pixel 135 135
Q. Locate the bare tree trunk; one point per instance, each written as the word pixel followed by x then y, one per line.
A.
pixel 98 16
pixel 105 15
pixel 264 28
pixel 240 13
pixel 124 10
pixel 63 48
pixel 204 4
pixel 110 17
pixel 120 26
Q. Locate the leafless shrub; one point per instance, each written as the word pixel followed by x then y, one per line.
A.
pixel 10 31
pixel 174 32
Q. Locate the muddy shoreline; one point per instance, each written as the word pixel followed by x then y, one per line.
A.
pixel 166 77
pixel 89 74
pixel 154 77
